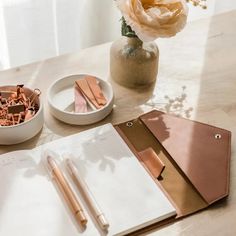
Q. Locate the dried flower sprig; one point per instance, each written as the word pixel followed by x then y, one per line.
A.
pixel 200 3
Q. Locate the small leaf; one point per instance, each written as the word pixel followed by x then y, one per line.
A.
pixel 126 30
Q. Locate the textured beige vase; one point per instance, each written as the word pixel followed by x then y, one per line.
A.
pixel 134 63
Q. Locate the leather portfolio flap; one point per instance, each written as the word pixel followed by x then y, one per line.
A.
pixel 201 151
pixel 173 182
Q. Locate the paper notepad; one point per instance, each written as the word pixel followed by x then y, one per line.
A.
pixel 30 204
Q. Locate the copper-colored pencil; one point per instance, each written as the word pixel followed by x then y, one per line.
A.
pixel 68 193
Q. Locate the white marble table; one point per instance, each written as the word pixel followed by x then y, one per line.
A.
pixel 197 80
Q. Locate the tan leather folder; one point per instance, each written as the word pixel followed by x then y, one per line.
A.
pixel 188 160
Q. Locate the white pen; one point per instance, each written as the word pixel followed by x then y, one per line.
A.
pixel 87 195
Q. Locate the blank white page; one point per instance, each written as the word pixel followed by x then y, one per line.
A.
pixel 31 205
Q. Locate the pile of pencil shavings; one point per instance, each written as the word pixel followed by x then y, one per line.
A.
pixel 16 107
pixel 88 95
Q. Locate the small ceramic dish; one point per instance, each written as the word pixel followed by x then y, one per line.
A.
pixel 61 102
pixel 21 132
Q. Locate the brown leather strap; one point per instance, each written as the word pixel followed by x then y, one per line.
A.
pixel 152 162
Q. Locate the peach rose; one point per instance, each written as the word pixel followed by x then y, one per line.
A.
pixel 151 19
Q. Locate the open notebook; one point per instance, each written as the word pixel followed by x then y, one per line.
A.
pixel 30 204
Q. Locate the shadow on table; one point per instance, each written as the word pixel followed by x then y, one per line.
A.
pixel 173 105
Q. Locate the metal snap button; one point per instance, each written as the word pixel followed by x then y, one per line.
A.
pixel 129 124
pixel 217 136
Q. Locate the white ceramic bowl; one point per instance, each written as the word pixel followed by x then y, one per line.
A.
pixel 61 102
pixel 23 131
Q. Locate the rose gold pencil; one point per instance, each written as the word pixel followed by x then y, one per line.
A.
pixel 87 195
pixel 67 191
